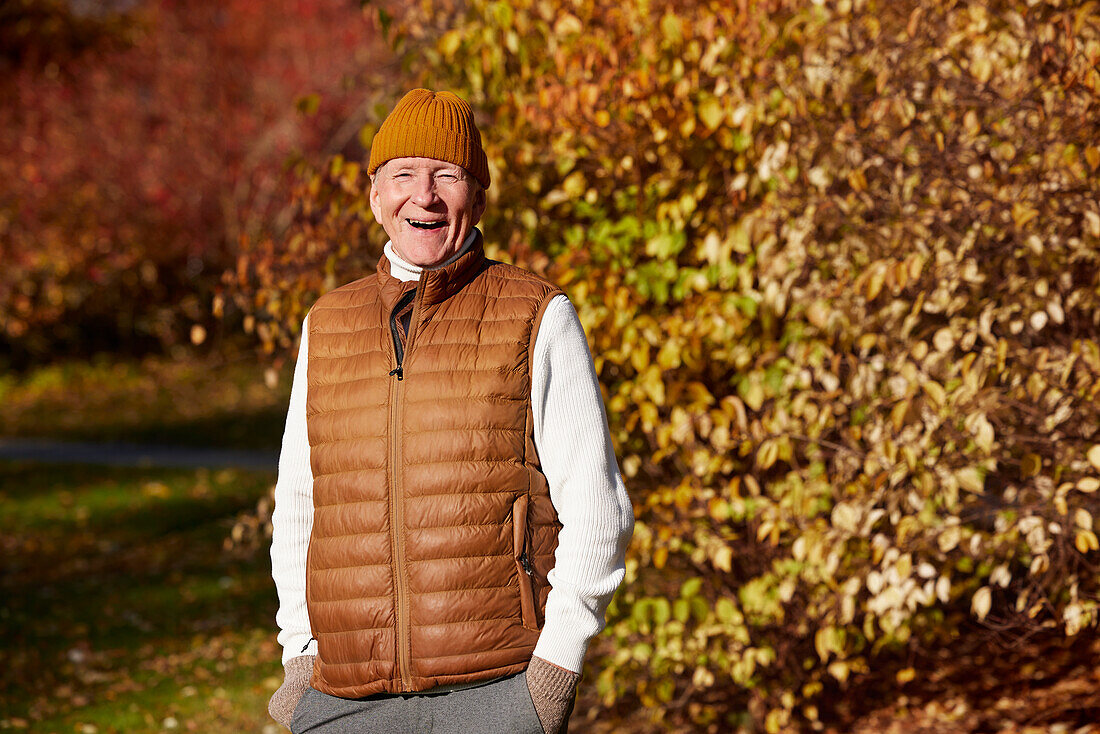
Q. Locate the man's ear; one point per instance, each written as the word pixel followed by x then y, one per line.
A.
pixel 479 204
pixel 373 198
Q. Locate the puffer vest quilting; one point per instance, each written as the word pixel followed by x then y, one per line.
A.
pixel 433 530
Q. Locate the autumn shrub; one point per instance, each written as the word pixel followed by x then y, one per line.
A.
pixel 838 264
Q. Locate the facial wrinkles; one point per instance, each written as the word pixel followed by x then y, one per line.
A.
pixel 427 207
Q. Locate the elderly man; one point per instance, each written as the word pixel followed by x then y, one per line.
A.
pixel 450 523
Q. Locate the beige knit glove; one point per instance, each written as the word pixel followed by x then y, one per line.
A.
pixel 553 690
pixel 296 675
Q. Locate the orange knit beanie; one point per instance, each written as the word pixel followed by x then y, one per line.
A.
pixel 431 124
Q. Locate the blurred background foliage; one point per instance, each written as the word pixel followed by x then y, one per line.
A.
pixel 838 264
pixel 145 139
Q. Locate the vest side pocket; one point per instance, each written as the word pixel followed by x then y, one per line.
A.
pixel 524 569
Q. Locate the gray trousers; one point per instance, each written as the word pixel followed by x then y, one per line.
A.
pixel 500 707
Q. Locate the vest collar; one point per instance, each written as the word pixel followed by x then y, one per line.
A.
pixel 438 284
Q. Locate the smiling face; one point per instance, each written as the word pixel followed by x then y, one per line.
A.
pixel 426 206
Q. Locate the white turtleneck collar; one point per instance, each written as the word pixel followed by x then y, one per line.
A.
pixel 406 271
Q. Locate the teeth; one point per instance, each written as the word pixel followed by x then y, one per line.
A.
pixel 425 225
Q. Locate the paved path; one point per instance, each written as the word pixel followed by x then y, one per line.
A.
pixel 131 454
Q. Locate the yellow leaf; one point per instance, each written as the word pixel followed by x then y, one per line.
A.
pixel 904 566
pixel 877 552
pixel 943 340
pixel 1092 155
pixel 897 414
pixel 970 479
pixel 845 517
pixel 751 484
pixel 818 313
pixel 935 392
pixel 718 509
pixel 839 670
pixel 568 24
pixel 669 356
pixel 822 640
pixel 1094 456
pixel 857 180
pixel 1088 484
pixel 1061 505
pixel 1086 541
pixel 1039 564
pixel 1030 465
pixel 574 185
pixel 764 530
pixel 603 118
pixel 660 557
pixel 711 113
pixel 723 559
pixel 970 122
pixel 982 602
pixel 631 465
pixel 754 395
pixel 767 454
pixel 449 43
pixel 672 27
pixel 949 538
pixel 906 675
pixel 901 273
pixel 983 431
pixel 653 385
pixel 982 68
pixel 875 283
pixel 1022 214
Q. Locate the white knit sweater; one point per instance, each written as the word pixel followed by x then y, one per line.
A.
pixel 574 446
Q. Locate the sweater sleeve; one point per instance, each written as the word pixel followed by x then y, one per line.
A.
pixel 292 519
pixel 574 445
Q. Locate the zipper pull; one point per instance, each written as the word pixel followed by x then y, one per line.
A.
pixel 397 371
pixel 526 563
pixel 304 648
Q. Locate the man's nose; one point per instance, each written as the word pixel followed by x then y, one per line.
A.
pixel 423 192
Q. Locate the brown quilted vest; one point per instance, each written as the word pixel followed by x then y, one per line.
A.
pixel 433 529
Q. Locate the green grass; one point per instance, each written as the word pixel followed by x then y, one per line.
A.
pixel 210 401
pixel 123 608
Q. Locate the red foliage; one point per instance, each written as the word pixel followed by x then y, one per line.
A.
pixel 130 173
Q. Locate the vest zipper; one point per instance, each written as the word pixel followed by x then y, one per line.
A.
pixel 525 569
pixel 397 503
pixel 398 347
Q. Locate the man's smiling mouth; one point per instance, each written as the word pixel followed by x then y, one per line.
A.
pixel 426 225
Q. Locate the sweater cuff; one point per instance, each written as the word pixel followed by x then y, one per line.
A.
pixel 297 645
pixel 562 643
